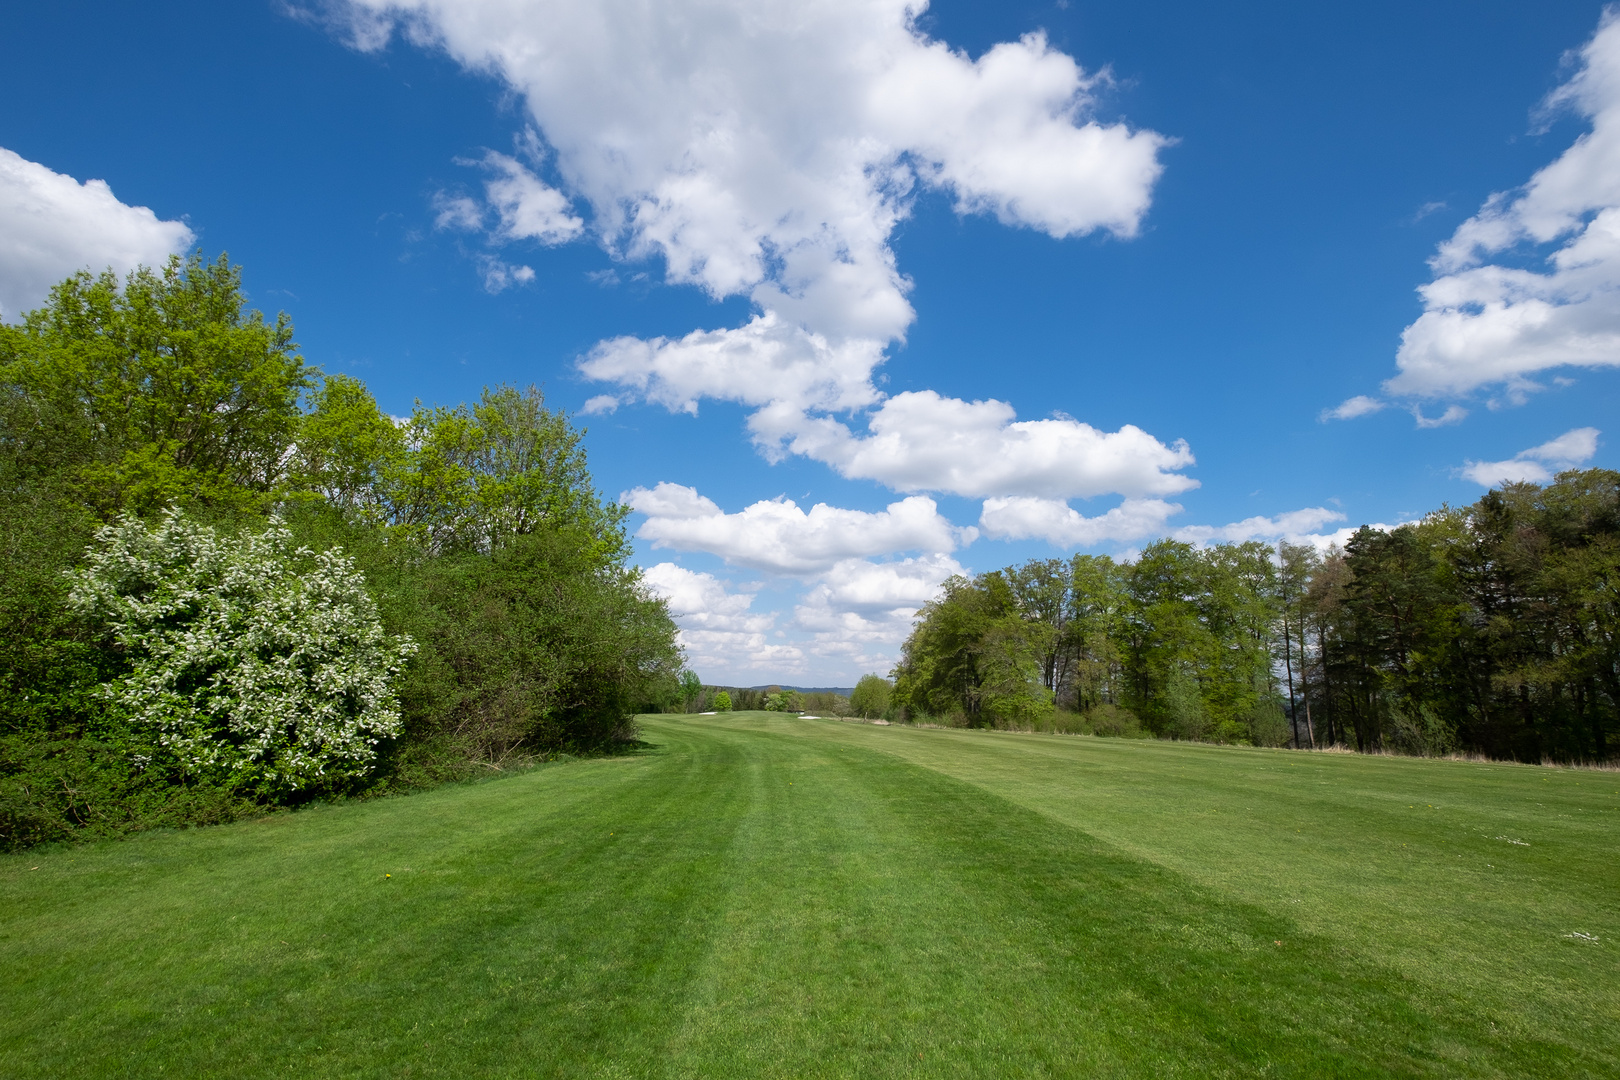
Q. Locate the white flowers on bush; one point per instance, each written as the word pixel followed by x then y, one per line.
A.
pixel 248 656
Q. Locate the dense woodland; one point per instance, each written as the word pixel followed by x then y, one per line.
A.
pixel 1492 629
pixel 228 581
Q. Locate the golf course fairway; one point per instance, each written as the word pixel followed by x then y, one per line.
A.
pixel 759 895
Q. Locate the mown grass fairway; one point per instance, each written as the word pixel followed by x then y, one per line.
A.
pixel 766 896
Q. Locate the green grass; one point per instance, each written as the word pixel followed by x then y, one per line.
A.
pixel 758 895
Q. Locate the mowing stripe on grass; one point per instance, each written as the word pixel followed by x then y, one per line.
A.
pixel 754 896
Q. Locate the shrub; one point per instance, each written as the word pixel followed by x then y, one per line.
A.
pixel 532 649
pixel 1112 721
pixel 252 661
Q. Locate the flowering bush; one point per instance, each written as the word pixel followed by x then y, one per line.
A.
pixel 249 659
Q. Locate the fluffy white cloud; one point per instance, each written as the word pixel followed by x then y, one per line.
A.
pixel 1486 324
pixel 776 536
pixel 860 611
pixel 1052 520
pixel 718 629
pixel 1295 526
pixel 1538 464
pixel 765 361
pixel 1021 517
pixel 770 146
pixel 54 225
pixel 528 208
pixel 921 441
pixel 769 149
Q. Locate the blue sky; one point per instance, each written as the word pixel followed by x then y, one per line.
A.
pixel 1156 223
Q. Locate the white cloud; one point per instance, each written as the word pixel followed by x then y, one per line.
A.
pixel 529 208
pixel 1021 517
pixel 1454 414
pixel 1538 464
pixel 500 275
pixel 776 536
pixel 1486 324
pixel 761 146
pixel 53 225
pixel 1350 408
pixel 718 629
pixel 921 441
pixel 601 403
pixel 1295 526
pixel 459 212
pixel 764 361
pixel 769 150
pixel 860 611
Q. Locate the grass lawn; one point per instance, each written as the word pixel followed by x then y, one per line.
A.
pixel 757 895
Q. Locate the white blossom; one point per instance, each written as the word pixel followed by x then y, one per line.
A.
pixel 246 655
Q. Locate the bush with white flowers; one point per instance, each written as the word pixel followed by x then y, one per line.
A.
pixel 250 659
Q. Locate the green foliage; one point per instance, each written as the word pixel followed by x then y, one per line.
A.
pixel 1111 721
pixel 536 648
pixel 1183 638
pixel 871 697
pixel 691 687
pixel 193 677
pixel 165 390
pixel 722 702
pixel 1493 629
pixel 461 479
pixel 779 700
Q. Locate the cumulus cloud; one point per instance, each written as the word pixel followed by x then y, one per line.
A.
pixel 528 207
pixel 1295 526
pixel 718 627
pixel 860 611
pixel 1053 520
pixel 921 441
pixel 1538 464
pixel 769 150
pixel 764 361
pixel 53 225
pixel 1488 324
pixel 776 536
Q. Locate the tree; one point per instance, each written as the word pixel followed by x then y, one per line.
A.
pixel 532 649
pixel 779 700
pixel 871 696
pixel 1295 565
pixel 691 688
pixel 722 702
pixel 473 478
pixel 1096 630
pixel 165 390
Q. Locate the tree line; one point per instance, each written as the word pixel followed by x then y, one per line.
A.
pixel 230 581
pixel 1491 629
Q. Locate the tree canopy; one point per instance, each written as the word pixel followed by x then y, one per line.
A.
pixel 229 579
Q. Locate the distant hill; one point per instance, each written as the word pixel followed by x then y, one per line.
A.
pixel 844 690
